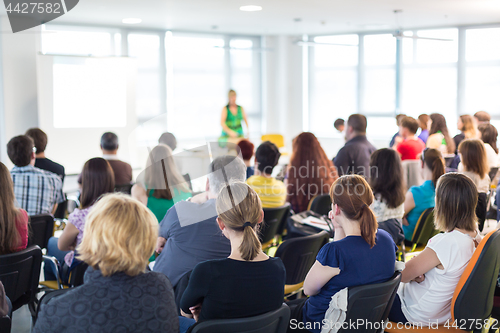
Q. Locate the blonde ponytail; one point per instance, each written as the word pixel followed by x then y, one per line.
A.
pixel 250 246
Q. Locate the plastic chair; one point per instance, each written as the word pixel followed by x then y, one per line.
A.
pixel 320 204
pixel 277 139
pixel 273 219
pixel 298 255
pixel 481 209
pixel 271 322
pixel 76 276
pixel 42 228
pixel 5 324
pixel 424 230
pixel 412 173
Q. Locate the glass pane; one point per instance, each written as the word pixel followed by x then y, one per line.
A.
pixel 76 42
pixel 482 89
pixel 379 91
pixel 241 53
pixel 146 48
pixel 435 51
pixel 380 49
pixel 336 55
pixel 407 48
pixel 148 94
pixel 482 44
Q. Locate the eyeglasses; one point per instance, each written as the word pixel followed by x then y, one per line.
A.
pixel 34 149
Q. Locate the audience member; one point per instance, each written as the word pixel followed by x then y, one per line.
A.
pixel 339 125
pixel 5 304
pixel 245 284
pixel 246 148
pixel 489 136
pixel 423 120
pixel 439 137
pixel 360 254
pixel 117 295
pixel 429 279
pixel 309 172
pixel 467 129
pixel 40 139
pixel 482 117
pixel 396 138
pixel 411 147
pixel 354 157
pixel 13 221
pixel 272 192
pixel 474 163
pixel 37 191
pixel 168 139
pixel 387 184
pixel 188 232
pixel 419 198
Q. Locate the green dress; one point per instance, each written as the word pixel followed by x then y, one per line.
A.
pixel 233 122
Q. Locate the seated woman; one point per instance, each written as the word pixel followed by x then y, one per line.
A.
pixel 419 198
pixel 467 129
pixel 474 163
pixel 429 280
pixel 439 137
pixel 489 136
pixel 248 283
pixel 120 236
pixel 360 254
pixel 13 221
pixel 386 181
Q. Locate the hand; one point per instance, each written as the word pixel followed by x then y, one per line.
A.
pixel 160 244
pixel 405 221
pixel 419 279
pixel 233 134
pixel 195 311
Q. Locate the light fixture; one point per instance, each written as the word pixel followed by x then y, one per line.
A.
pixel 250 8
pixel 131 20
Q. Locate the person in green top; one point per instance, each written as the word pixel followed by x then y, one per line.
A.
pixel 231 118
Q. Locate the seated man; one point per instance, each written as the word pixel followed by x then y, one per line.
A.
pixel 168 139
pixel 189 233
pixel 354 157
pixel 42 162
pixel 272 192
pixel 411 147
pixel 37 191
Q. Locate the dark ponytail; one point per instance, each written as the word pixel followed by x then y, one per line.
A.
pixel 435 162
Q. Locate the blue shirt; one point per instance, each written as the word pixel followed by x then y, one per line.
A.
pixel 359 265
pixel 424 135
pixel 424 197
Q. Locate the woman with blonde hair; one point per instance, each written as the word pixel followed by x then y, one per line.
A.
pixel 248 283
pixel 467 129
pixel 118 294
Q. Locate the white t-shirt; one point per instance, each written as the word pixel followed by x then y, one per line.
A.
pixel 493 160
pixel 483 185
pixel 384 213
pixel 430 301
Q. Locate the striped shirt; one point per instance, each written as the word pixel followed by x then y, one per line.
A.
pixel 36 190
pixel 272 192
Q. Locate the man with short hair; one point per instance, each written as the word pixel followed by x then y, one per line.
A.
pixel 411 147
pixel 36 191
pixel 354 157
pixel 188 233
pixel 168 139
pixel 272 192
pixel 42 162
pixel 481 117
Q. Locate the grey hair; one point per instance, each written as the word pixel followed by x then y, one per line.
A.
pixel 225 169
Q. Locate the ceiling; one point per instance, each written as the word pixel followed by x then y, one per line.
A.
pixel 292 17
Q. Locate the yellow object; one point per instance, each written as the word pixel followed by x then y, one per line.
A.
pixel 292 288
pixel 52 284
pixel 277 139
pixel 272 192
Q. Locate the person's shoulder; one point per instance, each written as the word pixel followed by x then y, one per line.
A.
pixel 23 216
pixel 48 174
pixel 383 237
pixel 252 180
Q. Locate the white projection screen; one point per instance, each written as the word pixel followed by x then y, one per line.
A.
pixel 80 98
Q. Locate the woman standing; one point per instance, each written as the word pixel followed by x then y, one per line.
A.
pixel 231 118
pixel 439 137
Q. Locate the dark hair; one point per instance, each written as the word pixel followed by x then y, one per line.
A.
pixel 474 156
pixel 439 125
pixel 246 148
pixel 267 157
pixel 435 162
pixel 20 150
pixel 98 178
pixel 168 139
pixel 109 141
pixel 410 123
pixel 422 121
pixel 357 122
pixel 456 200
pixel 353 195
pixel 39 137
pixel 482 116
pixel 339 122
pixel 9 236
pixel 399 117
pixel 489 135
pixel 386 177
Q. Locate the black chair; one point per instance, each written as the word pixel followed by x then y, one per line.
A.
pixel 321 204
pixel 124 188
pixel 481 209
pixel 493 173
pixel 298 255
pixel 187 178
pixel 60 212
pixel 42 228
pixel 5 324
pixel 273 219
pixel 20 273
pixel 271 322
pixel 372 304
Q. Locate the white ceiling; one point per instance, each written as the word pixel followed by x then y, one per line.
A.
pixel 277 16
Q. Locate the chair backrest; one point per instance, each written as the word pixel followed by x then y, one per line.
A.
pixel 5 324
pixel 321 204
pixel 42 228
pixel 412 173
pixel 473 297
pixel 187 178
pixel 124 188
pixel 271 322
pixel 277 139
pixel 273 220
pixel 425 229
pixel 371 303
pixel 299 254
pixel 493 173
pixel 20 273
pixel 481 209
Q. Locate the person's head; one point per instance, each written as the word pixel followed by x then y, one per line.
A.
pixel 21 150
pixel 482 117
pixel 466 125
pixel 237 204
pixel 386 176
pixel 267 157
pixel 246 148
pixel 473 157
pixel 423 119
pixel 356 125
pixel 223 170
pixel 231 97
pixel 168 139
pixel 109 142
pixel 339 125
pixel 489 135
pixel 351 199
pixel 9 237
pixel 97 179
pixel 408 127
pixel 456 200
pixel 433 161
pixel 39 138
pixel 438 124
pixel 399 117
pixel 120 236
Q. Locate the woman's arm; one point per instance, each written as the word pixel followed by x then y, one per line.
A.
pixel 418 266
pixel 139 193
pixel 197 288
pixel 68 238
pixel 317 277
pixel 408 205
pixel 226 129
